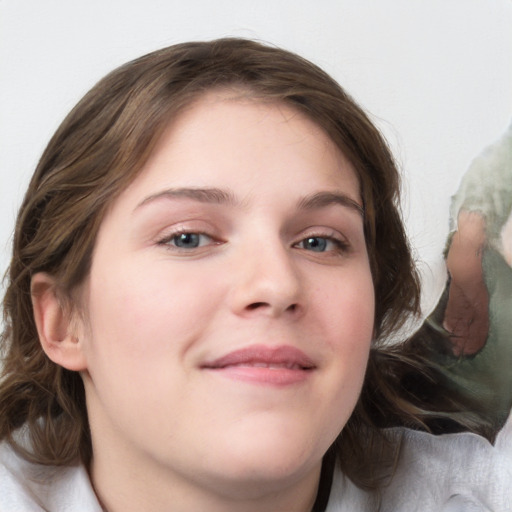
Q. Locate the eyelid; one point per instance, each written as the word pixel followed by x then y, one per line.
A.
pixel 169 238
pixel 323 232
pixel 341 242
pixel 166 236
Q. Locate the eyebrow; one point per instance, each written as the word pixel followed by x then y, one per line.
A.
pixel 323 199
pixel 202 195
pixel 219 196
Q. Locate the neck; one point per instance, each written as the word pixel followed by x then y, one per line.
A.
pixel 127 488
pixel 128 476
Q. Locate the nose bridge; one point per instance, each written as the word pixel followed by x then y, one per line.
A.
pixel 268 278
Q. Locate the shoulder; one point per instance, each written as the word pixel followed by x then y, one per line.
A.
pixel 452 472
pixel 447 473
pixel 31 487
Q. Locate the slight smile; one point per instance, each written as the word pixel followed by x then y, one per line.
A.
pixel 261 364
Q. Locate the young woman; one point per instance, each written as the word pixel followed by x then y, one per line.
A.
pixel 206 265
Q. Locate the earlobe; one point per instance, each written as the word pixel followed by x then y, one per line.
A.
pixel 54 324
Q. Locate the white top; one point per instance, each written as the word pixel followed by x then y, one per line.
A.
pixel 448 473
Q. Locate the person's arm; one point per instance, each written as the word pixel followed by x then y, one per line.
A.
pixel 466 317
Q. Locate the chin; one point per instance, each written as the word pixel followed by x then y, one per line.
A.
pixel 270 457
pixel 251 479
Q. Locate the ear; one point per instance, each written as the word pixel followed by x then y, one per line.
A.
pixel 55 325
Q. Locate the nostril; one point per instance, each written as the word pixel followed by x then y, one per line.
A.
pixel 256 305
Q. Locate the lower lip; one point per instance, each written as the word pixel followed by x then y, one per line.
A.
pixel 264 375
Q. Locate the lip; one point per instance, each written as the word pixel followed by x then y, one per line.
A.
pixel 281 366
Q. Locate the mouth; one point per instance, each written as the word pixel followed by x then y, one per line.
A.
pixel 283 365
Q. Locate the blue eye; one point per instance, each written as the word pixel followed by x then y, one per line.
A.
pixel 315 243
pixel 188 240
pixel 320 244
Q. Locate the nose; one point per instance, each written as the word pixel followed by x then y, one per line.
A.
pixel 267 282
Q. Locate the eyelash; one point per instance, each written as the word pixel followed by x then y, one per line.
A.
pixel 167 241
pixel 340 246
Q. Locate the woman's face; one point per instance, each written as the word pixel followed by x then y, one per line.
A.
pixel 229 308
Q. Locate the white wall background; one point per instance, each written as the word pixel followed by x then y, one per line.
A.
pixel 435 75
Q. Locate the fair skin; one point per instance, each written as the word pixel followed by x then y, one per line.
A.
pixel 226 322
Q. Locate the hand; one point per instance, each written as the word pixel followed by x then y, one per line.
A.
pixel 467 311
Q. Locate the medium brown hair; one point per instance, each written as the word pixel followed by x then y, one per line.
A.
pixel 99 149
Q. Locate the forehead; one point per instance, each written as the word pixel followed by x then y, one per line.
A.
pixel 230 139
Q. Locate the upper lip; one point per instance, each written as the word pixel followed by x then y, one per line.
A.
pixel 262 355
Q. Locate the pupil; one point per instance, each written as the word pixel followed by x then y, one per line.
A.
pixel 187 240
pixel 316 244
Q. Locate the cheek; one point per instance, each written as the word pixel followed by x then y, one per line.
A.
pixel 347 317
pixel 348 314
pixel 143 311
pixel 348 310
